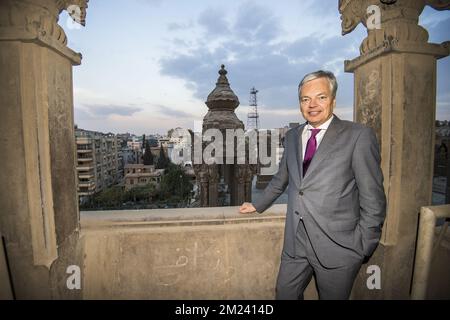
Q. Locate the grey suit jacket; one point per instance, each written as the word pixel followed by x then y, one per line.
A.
pixel 341 198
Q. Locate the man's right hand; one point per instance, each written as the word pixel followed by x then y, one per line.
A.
pixel 247 207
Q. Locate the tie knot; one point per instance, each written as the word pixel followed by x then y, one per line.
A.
pixel 314 132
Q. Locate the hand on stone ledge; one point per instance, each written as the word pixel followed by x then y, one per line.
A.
pixel 247 207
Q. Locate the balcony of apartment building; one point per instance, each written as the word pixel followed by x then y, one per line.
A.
pixel 86 175
pixel 86 185
pixel 84 148
pixel 86 190
pixel 81 166
pixel 83 140
pixel 84 157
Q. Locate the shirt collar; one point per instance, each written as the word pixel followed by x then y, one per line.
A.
pixel 324 126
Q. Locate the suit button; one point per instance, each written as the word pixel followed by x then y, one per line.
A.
pixel 300 193
pixel 296 212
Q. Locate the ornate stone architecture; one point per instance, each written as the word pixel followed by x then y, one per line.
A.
pixel 395 93
pixel 39 219
pixel 43 242
pixel 228 183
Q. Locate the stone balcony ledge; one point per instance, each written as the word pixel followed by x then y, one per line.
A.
pixel 176 217
pixel 185 253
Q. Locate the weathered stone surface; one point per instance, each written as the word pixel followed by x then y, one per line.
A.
pixel 398 22
pixel 224 172
pixel 395 94
pixel 39 218
pixel 62 145
pixel 201 253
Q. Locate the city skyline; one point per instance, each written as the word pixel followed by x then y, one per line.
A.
pixel 148 67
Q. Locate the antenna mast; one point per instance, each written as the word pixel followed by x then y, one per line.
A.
pixel 253 116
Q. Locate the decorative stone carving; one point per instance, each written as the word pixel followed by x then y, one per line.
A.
pixel 239 174
pixel 38 21
pixel 368 102
pixel 398 21
pixel 79 15
pixel 221 103
pixel 395 88
pixel 213 173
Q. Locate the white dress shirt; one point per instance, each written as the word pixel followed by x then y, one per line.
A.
pixel 306 134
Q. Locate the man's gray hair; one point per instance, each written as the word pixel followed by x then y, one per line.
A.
pixel 320 74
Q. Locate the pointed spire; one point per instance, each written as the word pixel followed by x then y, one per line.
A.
pixel 222 97
pixel 222 80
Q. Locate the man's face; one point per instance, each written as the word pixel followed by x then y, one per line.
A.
pixel 316 101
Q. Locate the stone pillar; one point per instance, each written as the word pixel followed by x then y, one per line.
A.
pixel 213 185
pixel 395 93
pixel 39 218
pixel 239 181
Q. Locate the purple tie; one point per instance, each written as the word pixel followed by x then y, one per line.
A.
pixel 311 147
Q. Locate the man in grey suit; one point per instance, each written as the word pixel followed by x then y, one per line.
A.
pixel 336 202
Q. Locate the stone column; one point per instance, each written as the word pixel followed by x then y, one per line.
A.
pixel 213 185
pixel 39 218
pixel 395 93
pixel 239 184
pixel 250 173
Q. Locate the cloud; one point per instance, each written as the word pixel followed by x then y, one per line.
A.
pixel 213 21
pixel 256 23
pixel 173 113
pixel 174 26
pixel 103 111
pixel 254 56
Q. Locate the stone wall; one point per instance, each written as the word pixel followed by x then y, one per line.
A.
pixel 201 253
pixel 206 253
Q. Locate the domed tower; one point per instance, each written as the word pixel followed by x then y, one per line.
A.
pixel 221 103
pixel 224 182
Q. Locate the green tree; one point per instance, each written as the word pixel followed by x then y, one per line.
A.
pixel 141 193
pixel 163 161
pixel 148 155
pixel 175 186
pixel 109 198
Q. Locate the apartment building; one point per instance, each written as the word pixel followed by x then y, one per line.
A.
pixel 141 175
pixel 99 161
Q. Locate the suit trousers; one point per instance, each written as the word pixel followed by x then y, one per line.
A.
pixel 296 272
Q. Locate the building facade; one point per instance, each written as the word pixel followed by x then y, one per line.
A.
pixel 140 175
pixel 99 161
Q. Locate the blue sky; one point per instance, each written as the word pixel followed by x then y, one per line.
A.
pixel 149 65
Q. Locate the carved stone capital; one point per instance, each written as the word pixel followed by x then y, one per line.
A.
pixel 38 21
pixel 398 21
